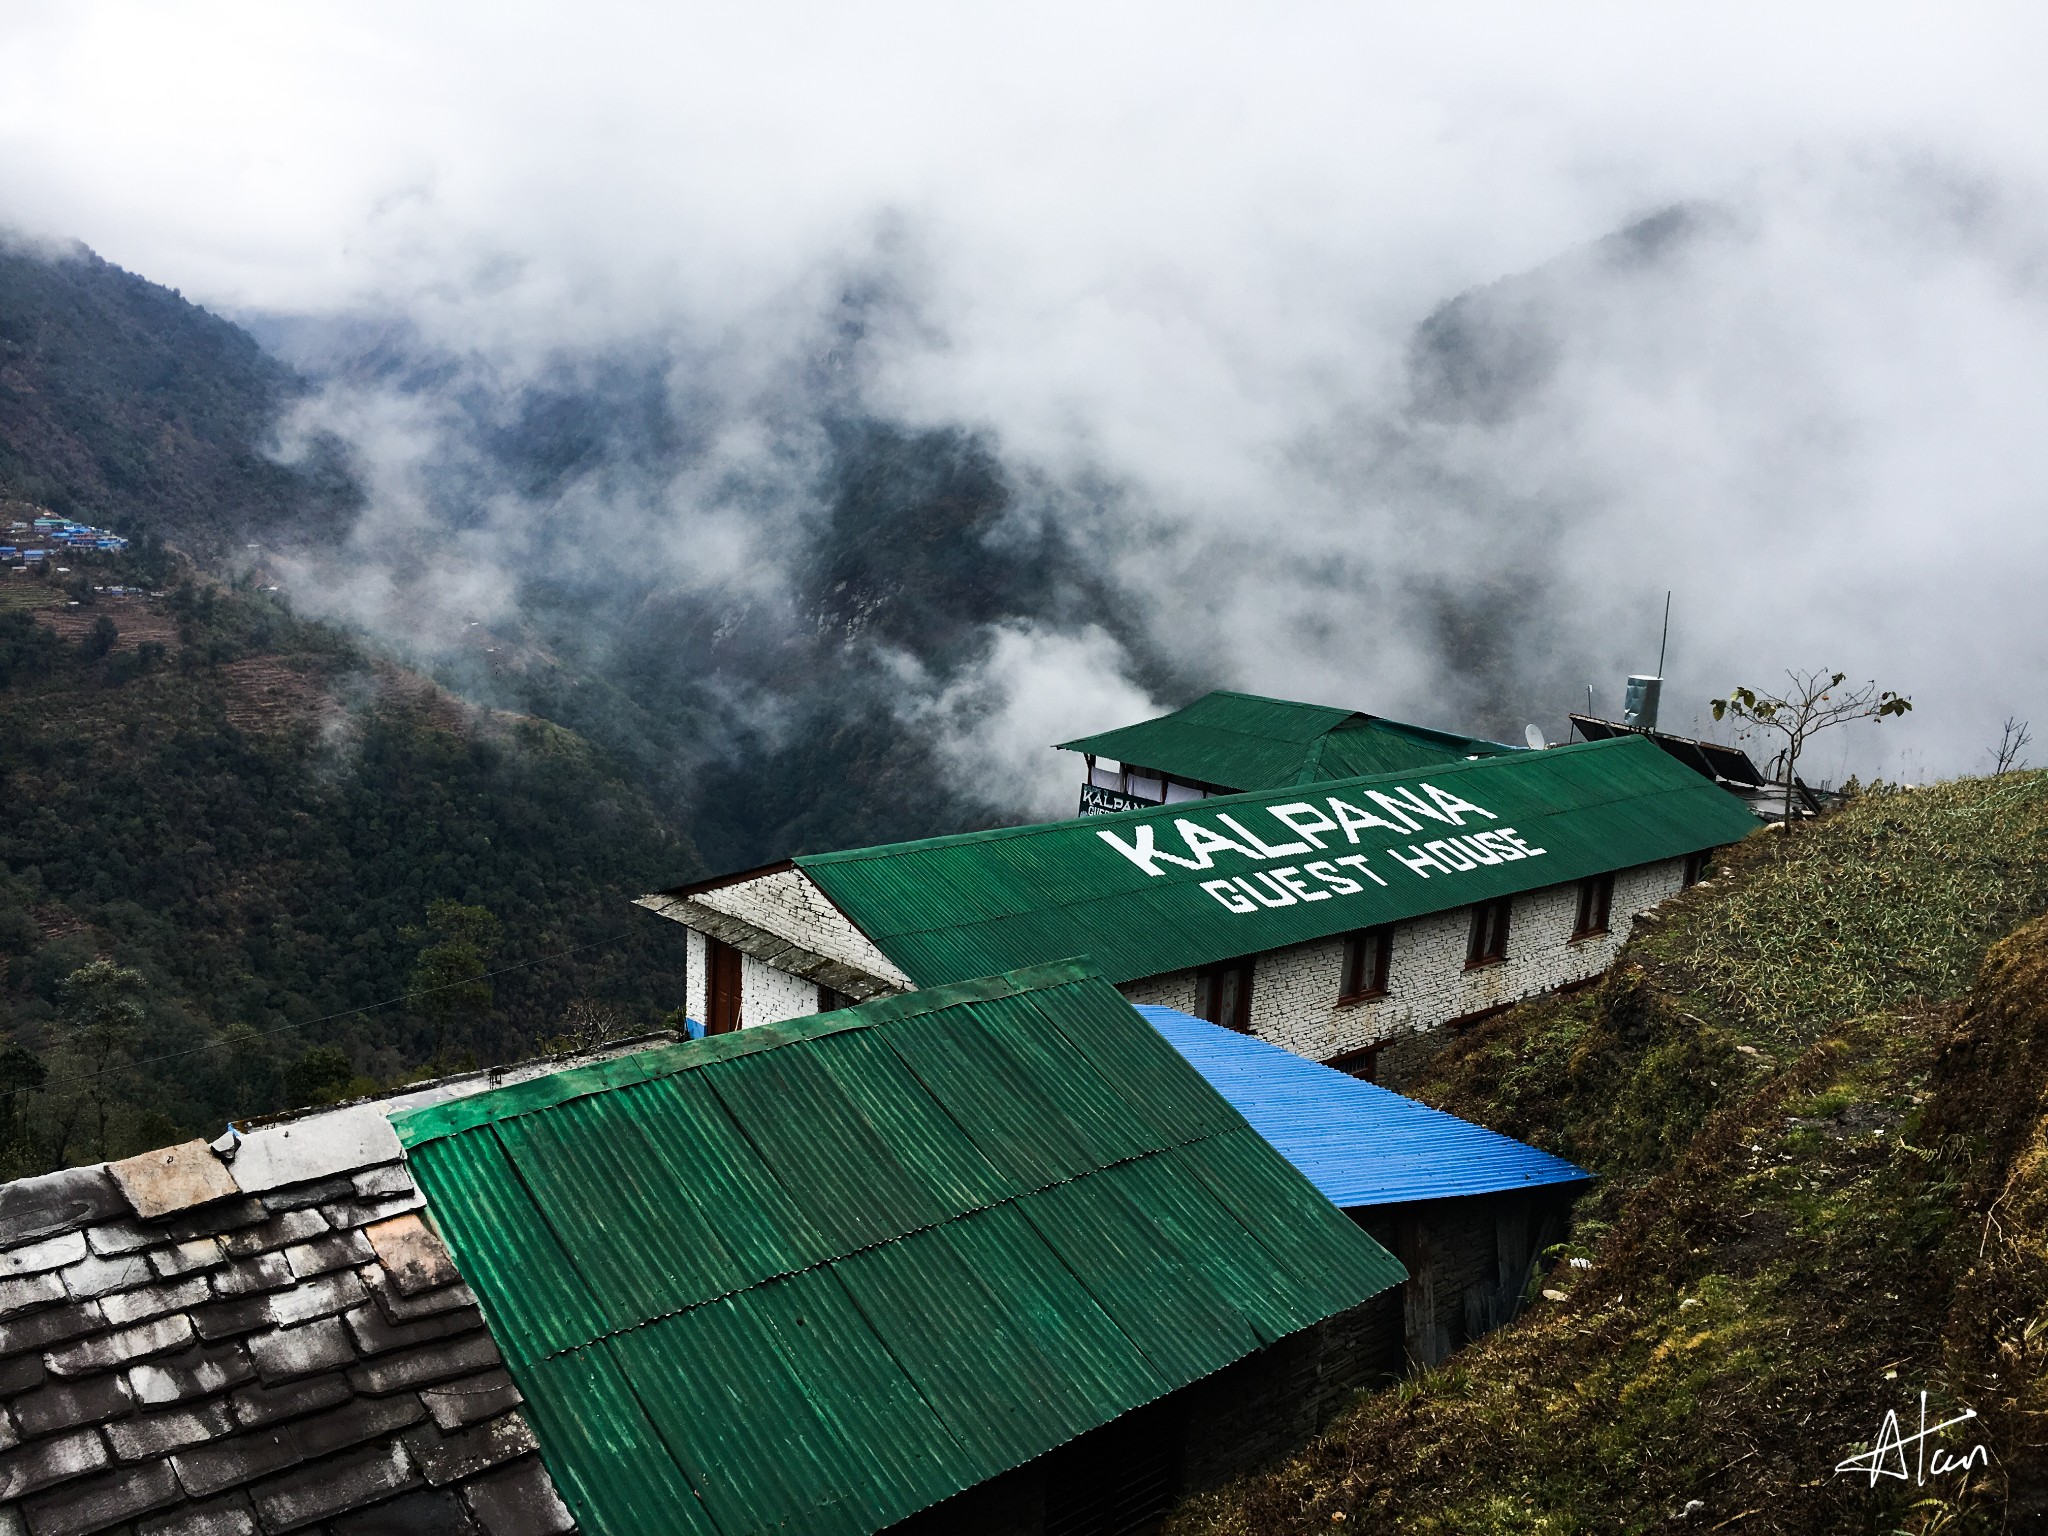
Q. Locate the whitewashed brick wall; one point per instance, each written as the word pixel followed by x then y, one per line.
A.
pixel 1294 991
pixel 788 904
pixel 768 996
pixel 696 967
pixel 1175 990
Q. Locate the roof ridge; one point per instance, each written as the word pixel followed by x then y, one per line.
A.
pixel 436 1122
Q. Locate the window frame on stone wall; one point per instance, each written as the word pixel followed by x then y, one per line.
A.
pixel 831 999
pixel 1368 964
pixel 1363 1063
pixel 1487 944
pixel 1596 906
pixel 1695 869
pixel 1207 1006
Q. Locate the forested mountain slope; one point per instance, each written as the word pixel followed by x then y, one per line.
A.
pixel 122 404
pixel 1819 1109
pixel 259 817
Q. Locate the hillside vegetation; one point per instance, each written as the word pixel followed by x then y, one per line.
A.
pixel 1816 1089
pixel 122 404
pixel 258 818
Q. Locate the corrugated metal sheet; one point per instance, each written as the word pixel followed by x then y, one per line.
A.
pixel 815 1277
pixel 1358 1143
pixel 1242 741
pixel 985 902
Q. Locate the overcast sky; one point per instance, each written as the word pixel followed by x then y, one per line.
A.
pixel 1187 246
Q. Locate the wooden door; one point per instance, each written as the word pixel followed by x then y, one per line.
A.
pixel 722 1002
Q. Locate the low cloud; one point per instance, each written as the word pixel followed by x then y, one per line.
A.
pixel 1401 362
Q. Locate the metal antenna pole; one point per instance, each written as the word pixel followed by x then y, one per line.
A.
pixel 1666 637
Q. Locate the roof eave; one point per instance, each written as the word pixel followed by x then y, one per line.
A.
pixel 770 949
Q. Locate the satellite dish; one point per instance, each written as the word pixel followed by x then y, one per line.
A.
pixel 1533 734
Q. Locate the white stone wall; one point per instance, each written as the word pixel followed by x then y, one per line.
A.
pixel 696 968
pixel 1294 991
pixel 787 904
pixel 768 996
pixel 1176 990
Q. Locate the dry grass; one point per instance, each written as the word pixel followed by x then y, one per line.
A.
pixel 1826 1180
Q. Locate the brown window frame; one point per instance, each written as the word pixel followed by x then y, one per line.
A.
pixel 1596 906
pixel 1363 1063
pixel 724 987
pixel 831 999
pixel 1487 943
pixel 1695 869
pixel 1368 960
pixel 1206 1004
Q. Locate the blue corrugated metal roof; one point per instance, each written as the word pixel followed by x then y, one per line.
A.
pixel 1358 1143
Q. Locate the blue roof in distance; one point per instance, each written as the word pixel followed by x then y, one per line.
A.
pixel 1358 1143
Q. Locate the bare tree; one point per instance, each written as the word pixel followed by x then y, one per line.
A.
pixel 1815 702
pixel 2011 743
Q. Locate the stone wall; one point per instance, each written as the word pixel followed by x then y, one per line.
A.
pixel 271 1344
pixel 768 996
pixel 788 904
pixel 696 967
pixel 768 993
pixel 1294 990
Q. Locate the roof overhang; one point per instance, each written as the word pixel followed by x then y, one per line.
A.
pixel 769 948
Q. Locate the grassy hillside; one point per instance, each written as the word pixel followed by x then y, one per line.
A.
pixel 256 816
pixel 1821 1117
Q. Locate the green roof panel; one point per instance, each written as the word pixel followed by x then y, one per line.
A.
pixel 818 1280
pixel 1241 741
pixel 1167 888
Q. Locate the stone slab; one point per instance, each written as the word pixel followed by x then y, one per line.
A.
pixel 416 1259
pixel 48 1253
pixel 58 1202
pixel 173 1179
pixel 315 1148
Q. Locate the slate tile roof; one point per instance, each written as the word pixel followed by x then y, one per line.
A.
pixel 271 1344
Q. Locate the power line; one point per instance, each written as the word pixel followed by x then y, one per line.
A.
pixel 327 1018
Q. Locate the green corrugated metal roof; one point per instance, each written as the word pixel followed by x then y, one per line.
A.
pixel 815 1276
pixel 1241 741
pixel 1220 869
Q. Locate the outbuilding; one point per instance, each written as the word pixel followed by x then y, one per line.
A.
pixel 988 1257
pixel 1339 919
pixel 1467 1211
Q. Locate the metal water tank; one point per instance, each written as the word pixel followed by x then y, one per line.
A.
pixel 1639 707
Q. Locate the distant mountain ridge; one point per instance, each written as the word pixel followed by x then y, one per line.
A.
pixel 123 404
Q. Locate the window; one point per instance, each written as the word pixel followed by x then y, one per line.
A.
pixel 1695 869
pixel 1489 942
pixel 1223 995
pixel 1596 896
pixel 1368 954
pixel 722 994
pixel 1362 1064
pixel 831 1001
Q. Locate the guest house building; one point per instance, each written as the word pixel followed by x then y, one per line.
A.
pixel 1335 917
